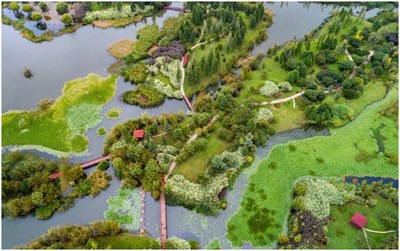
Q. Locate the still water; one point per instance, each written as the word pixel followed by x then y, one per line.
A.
pixel 75 55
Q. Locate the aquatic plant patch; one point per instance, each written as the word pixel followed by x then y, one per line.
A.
pixel 124 208
pixel 62 125
pixel 101 131
pixel 268 192
pixel 114 113
pixel 120 48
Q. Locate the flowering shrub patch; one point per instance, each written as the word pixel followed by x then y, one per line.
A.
pixel 264 114
pixel 285 86
pixel 114 13
pixel 269 89
pixel 167 89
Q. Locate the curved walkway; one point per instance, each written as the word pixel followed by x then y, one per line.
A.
pixel 282 100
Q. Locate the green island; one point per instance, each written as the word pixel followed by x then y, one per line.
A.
pixel 114 113
pixel 264 142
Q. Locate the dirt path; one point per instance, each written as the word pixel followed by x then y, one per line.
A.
pixel 282 100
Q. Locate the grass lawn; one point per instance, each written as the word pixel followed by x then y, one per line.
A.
pixel 286 117
pixel 270 194
pixel 197 164
pixel 125 241
pixel 342 235
pixel 62 125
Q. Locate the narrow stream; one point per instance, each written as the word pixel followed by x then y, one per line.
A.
pixel 78 54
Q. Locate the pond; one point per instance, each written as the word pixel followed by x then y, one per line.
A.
pixel 78 54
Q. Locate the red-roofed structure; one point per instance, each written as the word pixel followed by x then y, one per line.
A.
pixel 358 220
pixel 185 59
pixel 139 134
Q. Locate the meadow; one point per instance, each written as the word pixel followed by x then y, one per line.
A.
pixel 268 194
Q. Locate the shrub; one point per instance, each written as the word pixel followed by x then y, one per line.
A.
pixel 136 74
pixel 167 89
pixel 43 6
pixel 36 16
pixel 321 195
pixel 285 86
pixel 177 243
pixel 62 8
pixel 66 19
pixel 269 89
pixel 27 7
pixel 14 6
pixel 264 115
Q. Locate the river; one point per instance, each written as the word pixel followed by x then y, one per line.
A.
pixel 75 55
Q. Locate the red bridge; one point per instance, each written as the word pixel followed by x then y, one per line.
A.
pixel 163 216
pixel 84 165
pixel 188 103
pixel 174 8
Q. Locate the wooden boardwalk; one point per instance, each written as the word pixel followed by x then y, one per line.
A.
pixel 142 208
pixel 174 8
pixel 163 216
pixel 189 104
pixel 84 165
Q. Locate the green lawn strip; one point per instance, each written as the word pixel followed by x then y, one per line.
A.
pixel 342 235
pixel 317 156
pixel 198 163
pixel 62 126
pixel 125 241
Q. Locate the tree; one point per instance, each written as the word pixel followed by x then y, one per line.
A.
pixel 27 7
pixel 66 19
pixel 62 8
pixel 177 134
pixel 43 6
pixel 351 89
pixel 346 65
pixel 74 173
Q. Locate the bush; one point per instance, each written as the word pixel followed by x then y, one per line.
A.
pixel 14 6
pixel 285 87
pixel 264 115
pixel 62 8
pixel 66 19
pixel 36 16
pixel 269 89
pixel 101 131
pixel 43 6
pixel 136 74
pixel 27 7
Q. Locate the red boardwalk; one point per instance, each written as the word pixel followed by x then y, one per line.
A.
pixel 174 8
pixel 95 161
pixel 163 216
pixel 83 165
pixel 188 103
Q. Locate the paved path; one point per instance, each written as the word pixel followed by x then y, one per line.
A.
pixel 282 100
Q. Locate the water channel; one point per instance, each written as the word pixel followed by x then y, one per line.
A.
pixel 75 55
